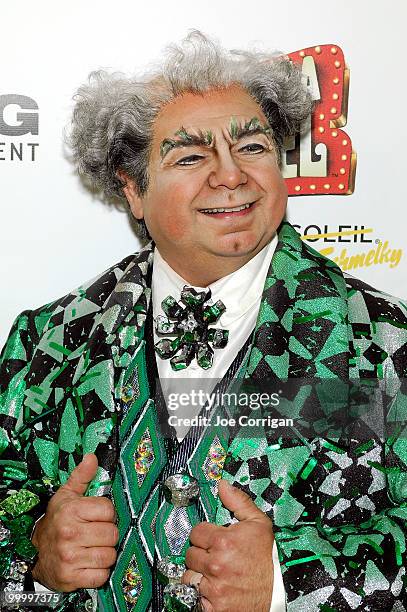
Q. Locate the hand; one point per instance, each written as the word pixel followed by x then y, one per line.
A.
pixel 235 562
pixel 77 535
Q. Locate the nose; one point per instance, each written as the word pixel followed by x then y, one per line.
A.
pixel 227 172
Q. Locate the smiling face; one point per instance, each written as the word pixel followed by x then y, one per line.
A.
pixel 216 194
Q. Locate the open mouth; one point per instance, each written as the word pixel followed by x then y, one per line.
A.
pixel 243 209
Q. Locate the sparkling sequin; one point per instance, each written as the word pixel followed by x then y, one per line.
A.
pixel 190 323
pixel 25 548
pixel 164 326
pixel 132 583
pixel 215 460
pixel 5 562
pixel 19 502
pixel 180 597
pixel 4 534
pixel 17 570
pixel 181 489
pixel 177 528
pixel 143 457
pixel 171 569
pixel 11 586
pixel 127 395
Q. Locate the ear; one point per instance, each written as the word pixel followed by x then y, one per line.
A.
pixel 132 195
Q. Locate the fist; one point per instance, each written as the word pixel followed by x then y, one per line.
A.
pixel 77 536
pixel 233 565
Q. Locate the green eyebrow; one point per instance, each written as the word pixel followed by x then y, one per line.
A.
pixel 253 126
pixel 204 138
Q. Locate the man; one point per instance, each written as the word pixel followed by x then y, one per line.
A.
pixel 195 149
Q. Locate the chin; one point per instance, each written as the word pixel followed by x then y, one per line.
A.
pixel 239 246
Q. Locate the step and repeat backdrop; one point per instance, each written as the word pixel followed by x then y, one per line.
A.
pixel 345 176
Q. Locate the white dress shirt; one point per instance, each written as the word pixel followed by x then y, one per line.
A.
pixel 241 293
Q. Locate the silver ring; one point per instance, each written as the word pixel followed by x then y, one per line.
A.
pixel 183 597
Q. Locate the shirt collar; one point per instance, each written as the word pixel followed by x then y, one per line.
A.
pixel 239 291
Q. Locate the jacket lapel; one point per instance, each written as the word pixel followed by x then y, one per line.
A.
pixel 301 330
pixel 117 332
pixel 301 338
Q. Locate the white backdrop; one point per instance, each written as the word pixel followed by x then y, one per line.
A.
pixel 54 235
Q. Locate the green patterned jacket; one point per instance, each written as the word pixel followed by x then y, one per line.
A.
pixel 73 379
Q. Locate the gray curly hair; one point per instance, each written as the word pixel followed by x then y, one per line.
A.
pixel 113 117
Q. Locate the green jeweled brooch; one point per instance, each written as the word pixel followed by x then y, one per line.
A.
pixel 189 321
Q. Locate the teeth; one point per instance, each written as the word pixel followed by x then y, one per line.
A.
pixel 221 210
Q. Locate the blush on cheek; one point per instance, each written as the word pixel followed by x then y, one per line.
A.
pixel 173 216
pixel 166 227
pixel 175 229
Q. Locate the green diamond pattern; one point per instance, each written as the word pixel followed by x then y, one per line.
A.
pixel 135 390
pixel 132 583
pixel 205 463
pixel 147 521
pixel 167 540
pixel 122 507
pixel 143 457
pixel 131 566
pixel 105 599
pixel 138 489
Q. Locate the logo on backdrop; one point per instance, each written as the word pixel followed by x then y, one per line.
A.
pixel 18 118
pixel 329 241
pixel 321 161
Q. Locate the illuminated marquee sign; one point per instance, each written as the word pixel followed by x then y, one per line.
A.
pixel 321 160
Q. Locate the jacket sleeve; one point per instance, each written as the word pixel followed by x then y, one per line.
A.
pixel 22 499
pixel 354 565
pixel 25 489
pixel 339 512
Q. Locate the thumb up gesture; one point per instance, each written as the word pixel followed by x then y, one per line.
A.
pixel 233 565
pixel 76 537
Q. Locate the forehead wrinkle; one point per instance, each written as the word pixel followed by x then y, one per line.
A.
pixel 221 122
